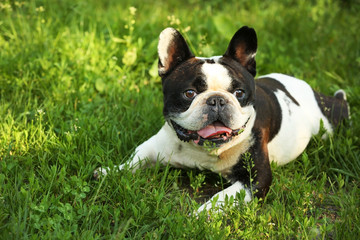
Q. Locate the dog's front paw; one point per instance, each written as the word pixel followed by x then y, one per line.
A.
pixel 211 206
pixel 99 172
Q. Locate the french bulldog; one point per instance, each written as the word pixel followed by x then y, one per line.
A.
pixel 217 116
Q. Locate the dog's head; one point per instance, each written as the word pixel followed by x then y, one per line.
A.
pixel 208 99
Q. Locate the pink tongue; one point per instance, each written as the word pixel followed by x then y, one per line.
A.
pixel 213 129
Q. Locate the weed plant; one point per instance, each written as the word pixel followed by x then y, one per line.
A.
pixel 79 89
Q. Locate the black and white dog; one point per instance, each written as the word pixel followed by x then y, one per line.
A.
pixel 216 113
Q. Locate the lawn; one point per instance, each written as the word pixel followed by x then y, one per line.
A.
pixel 79 89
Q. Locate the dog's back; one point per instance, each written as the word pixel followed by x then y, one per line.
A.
pixel 302 110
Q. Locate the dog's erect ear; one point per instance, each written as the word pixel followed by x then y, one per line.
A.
pixel 243 47
pixel 172 50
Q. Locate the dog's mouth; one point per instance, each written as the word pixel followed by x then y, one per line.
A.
pixel 213 135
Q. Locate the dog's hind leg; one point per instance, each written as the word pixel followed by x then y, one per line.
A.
pixel 336 108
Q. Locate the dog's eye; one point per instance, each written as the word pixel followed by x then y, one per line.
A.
pixel 239 94
pixel 190 94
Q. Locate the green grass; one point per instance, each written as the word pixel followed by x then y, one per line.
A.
pixel 79 90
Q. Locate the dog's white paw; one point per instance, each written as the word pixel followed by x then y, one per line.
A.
pixel 212 205
pixel 99 172
pixel 219 200
pixel 205 207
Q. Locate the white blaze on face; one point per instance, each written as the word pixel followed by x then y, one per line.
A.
pixel 219 80
pixel 217 77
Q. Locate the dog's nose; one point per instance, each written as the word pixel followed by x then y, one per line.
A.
pixel 216 101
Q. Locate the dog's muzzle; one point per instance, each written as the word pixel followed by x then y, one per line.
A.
pixel 216 133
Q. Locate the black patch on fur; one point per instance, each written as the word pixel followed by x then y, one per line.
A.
pixel 335 108
pixel 261 170
pixel 268 110
pixel 275 85
pixel 187 75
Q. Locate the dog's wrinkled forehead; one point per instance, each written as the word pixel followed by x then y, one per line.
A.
pixel 216 75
